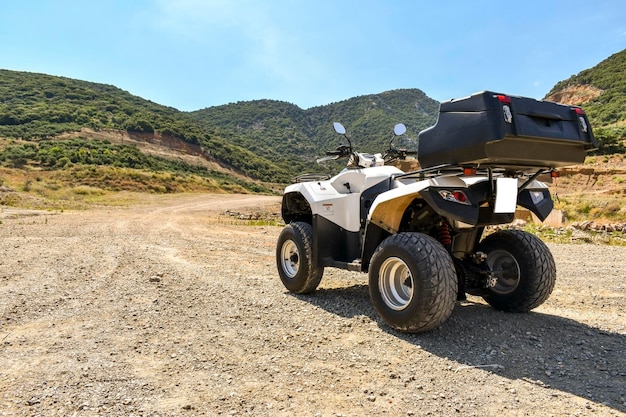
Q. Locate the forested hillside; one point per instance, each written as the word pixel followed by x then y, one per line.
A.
pixel 265 140
pixel 256 141
pixel 36 107
pixel 296 137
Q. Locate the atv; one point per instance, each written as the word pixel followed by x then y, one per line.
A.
pixel 421 235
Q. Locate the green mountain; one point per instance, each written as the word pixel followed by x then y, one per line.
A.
pixel 264 140
pixel 37 107
pixel 55 123
pixel 294 137
pixel 601 91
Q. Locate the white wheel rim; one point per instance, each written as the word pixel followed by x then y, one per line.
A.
pixel 395 283
pixel 290 258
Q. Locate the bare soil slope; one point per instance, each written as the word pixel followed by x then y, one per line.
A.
pixel 168 309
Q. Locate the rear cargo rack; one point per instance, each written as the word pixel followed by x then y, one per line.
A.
pixel 491 172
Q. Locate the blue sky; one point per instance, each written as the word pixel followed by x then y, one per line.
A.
pixel 191 54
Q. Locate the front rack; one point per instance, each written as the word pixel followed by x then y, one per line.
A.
pixel 309 177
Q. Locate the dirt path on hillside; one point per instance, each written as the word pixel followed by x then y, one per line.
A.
pixel 169 309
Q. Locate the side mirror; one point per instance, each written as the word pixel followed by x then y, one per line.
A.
pixel 339 128
pixel 399 129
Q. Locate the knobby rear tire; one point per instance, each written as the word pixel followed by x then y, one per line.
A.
pixel 412 282
pixel 525 269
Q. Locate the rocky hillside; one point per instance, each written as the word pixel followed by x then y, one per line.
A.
pixel 596 191
pixel 601 91
pixel 575 94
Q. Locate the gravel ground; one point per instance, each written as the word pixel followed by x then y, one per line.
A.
pixel 169 309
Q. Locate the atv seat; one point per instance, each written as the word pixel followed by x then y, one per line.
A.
pixel 359 180
pixel 350 182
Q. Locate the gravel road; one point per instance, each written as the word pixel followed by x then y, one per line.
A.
pixel 168 308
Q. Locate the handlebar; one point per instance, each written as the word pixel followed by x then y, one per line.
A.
pixel 398 153
pixel 340 151
pixel 343 151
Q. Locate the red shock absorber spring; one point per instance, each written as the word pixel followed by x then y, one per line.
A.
pixel 443 233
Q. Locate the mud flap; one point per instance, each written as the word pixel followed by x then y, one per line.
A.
pixel 537 201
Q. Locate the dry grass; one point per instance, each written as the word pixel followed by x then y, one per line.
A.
pixel 593 191
pixel 84 187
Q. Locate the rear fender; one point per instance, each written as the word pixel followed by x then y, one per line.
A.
pixel 439 197
pixel 385 216
pixel 388 208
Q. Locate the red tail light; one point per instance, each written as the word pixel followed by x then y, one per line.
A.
pixel 581 118
pixel 456 196
pixel 503 99
pixel 460 197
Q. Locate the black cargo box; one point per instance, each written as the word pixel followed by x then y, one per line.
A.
pixel 495 130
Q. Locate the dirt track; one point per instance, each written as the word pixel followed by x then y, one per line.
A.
pixel 164 310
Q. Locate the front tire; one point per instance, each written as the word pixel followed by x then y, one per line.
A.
pixel 412 282
pixel 294 258
pixel 524 267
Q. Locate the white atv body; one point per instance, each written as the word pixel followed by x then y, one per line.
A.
pixel 419 234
